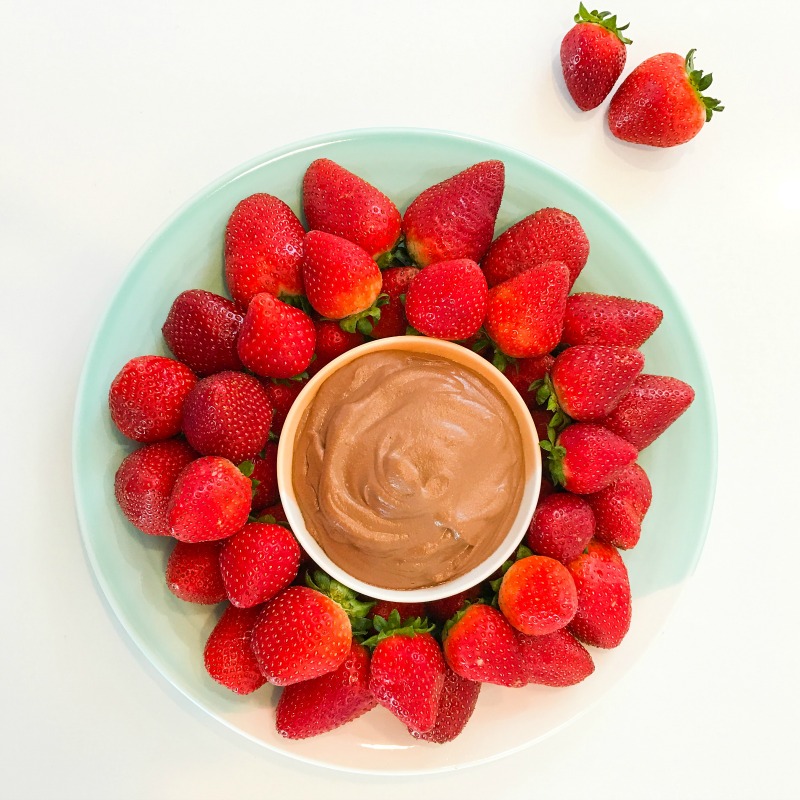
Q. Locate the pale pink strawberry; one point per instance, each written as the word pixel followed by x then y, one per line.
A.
pixel 602 319
pixel 620 508
pixel 228 653
pixel 193 573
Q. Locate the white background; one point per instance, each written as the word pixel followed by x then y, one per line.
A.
pixel 113 115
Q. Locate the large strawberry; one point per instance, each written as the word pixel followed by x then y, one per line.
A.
pixel 593 57
pixel 603 319
pixel 393 322
pixel 193 573
pixel 337 201
pixel 228 653
pixel 448 300
pixel 263 249
pixel 550 234
pixel 620 508
pixel 562 525
pixel 455 218
pixel 456 704
pixel 557 659
pixel 332 342
pixel 661 103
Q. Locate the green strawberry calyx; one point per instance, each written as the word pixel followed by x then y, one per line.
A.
pixel 555 457
pixel 700 82
pixel 365 320
pixel 393 625
pixel 355 609
pixel 605 20
pixel 546 396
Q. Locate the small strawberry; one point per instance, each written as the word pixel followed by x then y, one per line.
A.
pixel 542 421
pixel 562 525
pixel 201 330
pixel 550 234
pixel 593 57
pixel 586 457
pixel 455 218
pixel 276 340
pixel 522 372
pixel 264 476
pixel 620 508
pixel 441 610
pixel 602 319
pixel 228 653
pixel 557 659
pixel 146 397
pixel 276 512
pixel 383 608
pixel 546 488
pixel 526 313
pixel 263 249
pixel 393 320
pixel 193 573
pixel 651 405
pixel 228 414
pixel 337 201
pixel 456 704
pixel 661 103
pixel 448 300
pixel 332 342
pixel 210 500
pixel 144 482
pixel 282 396
pixel 329 701
pixel 604 596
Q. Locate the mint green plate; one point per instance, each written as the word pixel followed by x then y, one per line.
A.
pixel 187 253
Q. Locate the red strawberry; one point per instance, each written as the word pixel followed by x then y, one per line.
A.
pixel 228 653
pixel 526 313
pixel 300 634
pixel 455 218
pixel 448 300
pixel 620 508
pixel 282 397
pixel 383 608
pixel 587 457
pixel 480 645
pixel 546 488
pixel 341 279
pixel 456 705
pixel 562 525
pixel 144 482
pixel 604 596
pixel 661 102
pixel 201 330
pixel 263 249
pixel 603 319
pixel 337 201
pixel 276 512
pixel 276 340
pixel 522 372
pixel 537 595
pixel 257 562
pixel 542 420
pixel 193 573
pixel 210 500
pixel 557 659
pixel 593 57
pixel 329 701
pixel 332 342
pixel 393 316
pixel 265 478
pixel 653 403
pixel 548 235
pixel 442 610
pixel 146 397
pixel 228 415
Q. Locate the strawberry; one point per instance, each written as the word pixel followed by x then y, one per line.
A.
pixel 332 342
pixel 537 595
pixel 393 316
pixel 228 414
pixel 586 458
pixel 546 489
pixel 661 103
pixel 593 57
pixel 480 645
pixel 201 330
pixel 193 573
pixel 383 608
pixel 602 319
pixel 146 397
pixel 228 653
pixel 341 279
pixel 620 508
pixel 257 562
pixel 562 525
pixel 441 610
pixel 210 500
pixel 337 201
pixel 144 482
pixel 456 704
pixel 455 218
pixel 604 596
pixel 276 340
pixel 265 478
pixel 651 405
pixel 557 659
pixel 550 234
pixel 282 397
pixel 329 701
pixel 522 372
pixel 448 300
pixel 526 313
pixel 263 249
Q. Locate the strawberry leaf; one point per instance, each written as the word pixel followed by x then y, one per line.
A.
pixel 604 19
pixel 700 82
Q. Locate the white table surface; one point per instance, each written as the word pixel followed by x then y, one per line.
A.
pixel 114 114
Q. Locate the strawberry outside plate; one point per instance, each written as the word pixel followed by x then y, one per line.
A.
pixel 187 253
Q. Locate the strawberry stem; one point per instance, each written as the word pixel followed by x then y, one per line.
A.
pixel 700 82
pixel 393 625
pixel 605 20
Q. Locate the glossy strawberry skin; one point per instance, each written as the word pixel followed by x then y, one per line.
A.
pixel 147 395
pixel 562 525
pixel 282 397
pixel 228 654
pixel 456 705
pixel 393 322
pixel 193 573
pixel 332 342
pixel 620 508
pixel 201 330
pixel 522 372
pixel 265 472
pixel 263 249
pixel 604 319
pixel 557 659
